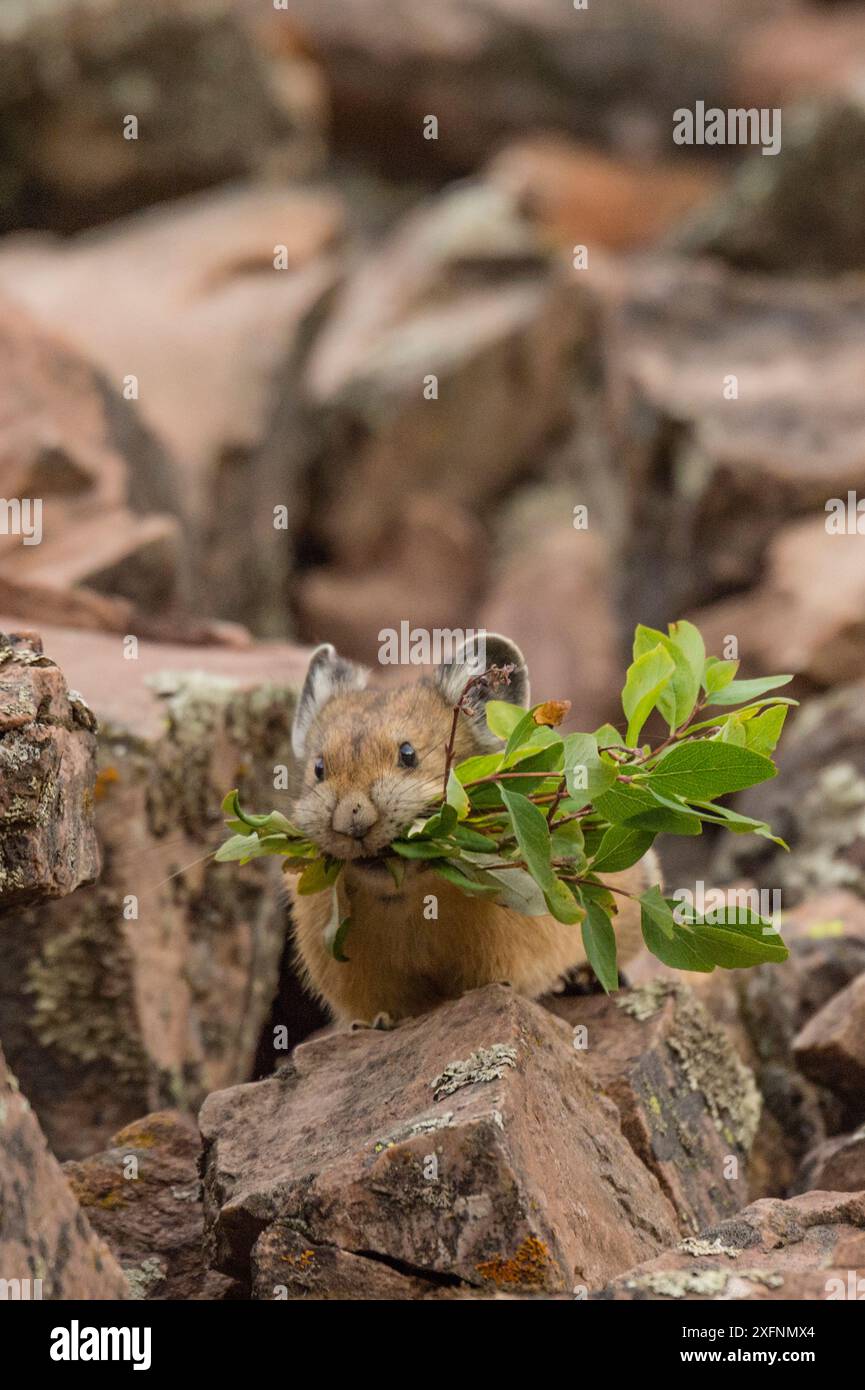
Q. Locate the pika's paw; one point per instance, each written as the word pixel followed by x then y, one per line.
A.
pixel 382 1021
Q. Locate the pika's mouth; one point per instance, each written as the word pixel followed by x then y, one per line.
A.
pixel 372 863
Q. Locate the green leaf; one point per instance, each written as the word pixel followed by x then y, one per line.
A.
pixel 420 849
pixel 239 848
pixel 318 875
pixel 622 846
pixel 336 931
pixel 519 892
pixel 595 892
pixel 655 909
pixel 685 646
pixel 523 733
pixel 470 839
pixel 739 691
pixel 647 677
pixel 607 736
pixel 736 950
pixel 762 733
pixel 453 874
pixel 542 739
pixel 396 869
pixel 683 952
pixel 705 768
pixel 503 717
pixel 587 774
pixel 533 836
pixel 737 823
pixel 669 817
pixel 567 842
pixel 717 674
pixel 562 903
pixel 623 801
pixel 471 769
pixel 456 796
pixel 444 822
pixel 599 941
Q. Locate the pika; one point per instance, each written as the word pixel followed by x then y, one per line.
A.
pixel 373 761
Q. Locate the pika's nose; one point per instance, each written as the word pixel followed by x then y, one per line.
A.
pixel 354 815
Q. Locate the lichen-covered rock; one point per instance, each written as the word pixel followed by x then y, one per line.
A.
pixel 47 773
pixel 150 988
pixel 286 1264
pixel 468 1148
pixel 688 1105
pixel 207 106
pixel 143 1197
pixel 809 1247
pixel 47 1247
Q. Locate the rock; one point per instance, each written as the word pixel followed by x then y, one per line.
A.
pixel 143 1197
pixel 467 1149
pixel 136 557
pixel 445 364
pixel 817 804
pixel 831 1047
pixel 582 197
pixel 97 505
pixel 47 773
pixel 805 616
pixel 689 1108
pixel 84 608
pixel 44 1235
pixel 836 1165
pixel 826 939
pixel 695 464
pixel 428 574
pixel 801 208
pixel 809 1247
pixel 553 592
pixel 205 269
pixel 151 987
pixel 801 54
pixel 534 65
pixel 287 1265
pixel 74 71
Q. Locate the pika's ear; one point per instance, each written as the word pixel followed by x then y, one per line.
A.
pixel 329 674
pixel 476 655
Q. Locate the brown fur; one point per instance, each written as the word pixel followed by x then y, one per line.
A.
pixel 400 962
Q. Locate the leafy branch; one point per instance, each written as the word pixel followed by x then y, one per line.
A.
pixel 538 826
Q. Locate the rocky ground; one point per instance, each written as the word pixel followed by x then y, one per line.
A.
pixel 281 370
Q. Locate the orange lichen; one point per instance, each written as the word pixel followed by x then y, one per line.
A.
pixel 528 1266
pixel 301 1261
pixel 104 780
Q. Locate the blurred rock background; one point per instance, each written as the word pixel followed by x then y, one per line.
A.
pixel 318 316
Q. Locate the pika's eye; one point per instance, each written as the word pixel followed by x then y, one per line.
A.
pixel 318 769
pixel 407 755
